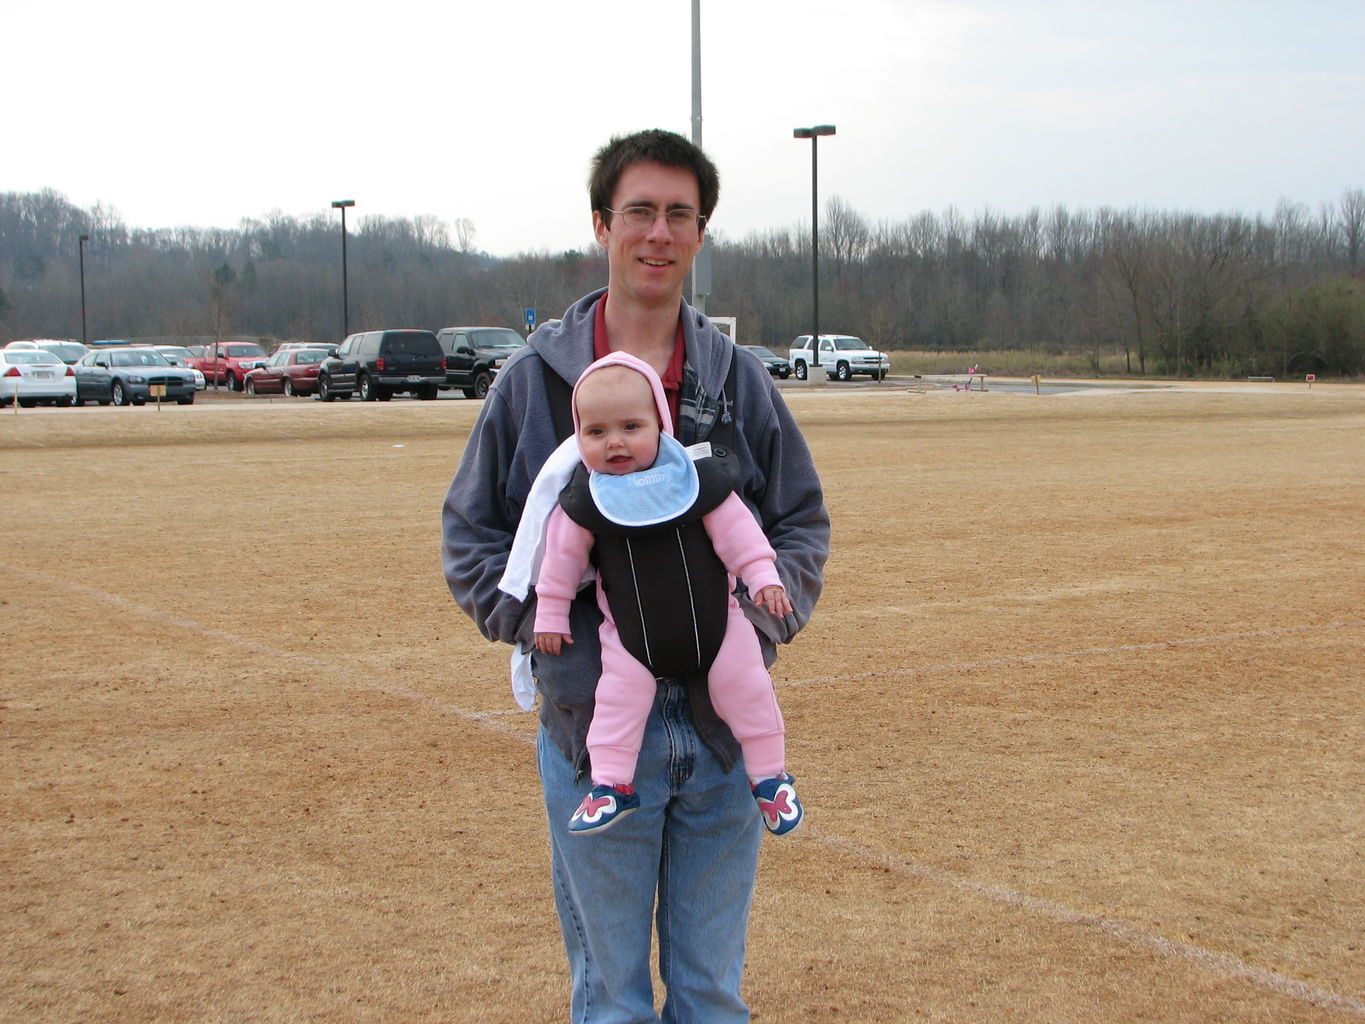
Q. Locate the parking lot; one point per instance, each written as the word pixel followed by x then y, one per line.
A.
pixel 1078 722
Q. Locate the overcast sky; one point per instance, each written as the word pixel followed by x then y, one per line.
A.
pixel 205 114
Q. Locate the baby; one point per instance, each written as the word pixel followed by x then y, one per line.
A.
pixel 667 541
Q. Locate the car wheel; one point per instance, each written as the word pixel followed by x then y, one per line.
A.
pixel 843 372
pixel 366 388
pixel 117 393
pixel 289 391
pixel 325 390
pixel 250 386
pixel 800 370
pixel 482 382
pixel 426 394
pixel 233 384
pixel 185 400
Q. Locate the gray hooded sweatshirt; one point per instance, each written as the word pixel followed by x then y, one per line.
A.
pixel 515 434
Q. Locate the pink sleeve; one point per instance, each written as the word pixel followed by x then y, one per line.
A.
pixel 561 570
pixel 741 545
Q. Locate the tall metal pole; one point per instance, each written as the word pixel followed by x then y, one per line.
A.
pixel 696 71
pixel 342 204
pixel 814 135
pixel 701 266
pixel 815 246
pixel 85 339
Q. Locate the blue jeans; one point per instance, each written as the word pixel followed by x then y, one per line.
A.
pixel 693 843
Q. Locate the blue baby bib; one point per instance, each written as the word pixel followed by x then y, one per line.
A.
pixel 664 491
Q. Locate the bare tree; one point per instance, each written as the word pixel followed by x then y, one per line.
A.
pixel 846 234
pixel 1351 210
pixel 464 234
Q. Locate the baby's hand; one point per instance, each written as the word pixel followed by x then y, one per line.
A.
pixel 775 600
pixel 551 643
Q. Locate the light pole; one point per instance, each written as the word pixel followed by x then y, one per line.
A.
pixel 85 340
pixel 342 204
pixel 814 135
pixel 701 265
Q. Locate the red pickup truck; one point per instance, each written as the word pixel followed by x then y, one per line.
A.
pixel 227 362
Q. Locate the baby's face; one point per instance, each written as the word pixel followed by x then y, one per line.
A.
pixel 618 423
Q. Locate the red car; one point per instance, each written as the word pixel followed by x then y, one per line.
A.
pixel 227 362
pixel 290 372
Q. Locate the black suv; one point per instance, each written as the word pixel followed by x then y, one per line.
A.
pixel 473 355
pixel 379 364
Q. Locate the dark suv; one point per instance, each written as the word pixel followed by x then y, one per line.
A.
pixel 473 355
pixel 379 364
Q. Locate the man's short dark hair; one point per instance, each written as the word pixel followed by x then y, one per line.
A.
pixel 653 146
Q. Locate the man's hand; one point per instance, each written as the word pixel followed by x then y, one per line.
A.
pixel 774 599
pixel 552 643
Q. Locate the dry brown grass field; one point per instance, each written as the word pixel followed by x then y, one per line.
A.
pixel 1078 724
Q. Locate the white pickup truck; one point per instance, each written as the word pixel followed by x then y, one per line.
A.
pixel 841 356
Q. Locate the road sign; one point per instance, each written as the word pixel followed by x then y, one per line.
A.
pixel 530 318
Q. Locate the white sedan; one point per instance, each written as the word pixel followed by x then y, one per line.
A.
pixel 30 376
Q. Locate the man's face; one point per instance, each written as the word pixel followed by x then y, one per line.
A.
pixel 618 422
pixel 649 265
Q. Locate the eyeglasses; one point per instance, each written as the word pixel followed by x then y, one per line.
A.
pixel 680 219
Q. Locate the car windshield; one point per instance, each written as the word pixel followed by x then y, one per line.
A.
pixel 498 339
pixel 246 349
pixel 309 355
pixel 849 344
pixel 29 355
pixel 143 358
pixel 64 352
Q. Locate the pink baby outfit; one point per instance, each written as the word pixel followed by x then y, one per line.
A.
pixel 738 683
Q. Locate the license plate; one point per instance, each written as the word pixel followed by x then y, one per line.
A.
pixel 42 374
pixel 414 378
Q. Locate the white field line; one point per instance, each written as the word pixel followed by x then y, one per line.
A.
pixel 1221 964
pixel 1084 652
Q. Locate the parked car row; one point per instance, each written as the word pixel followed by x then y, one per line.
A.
pixel 376 365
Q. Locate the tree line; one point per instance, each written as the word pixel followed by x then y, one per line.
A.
pixel 1175 293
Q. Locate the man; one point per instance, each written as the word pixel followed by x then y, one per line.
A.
pixel 692 844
